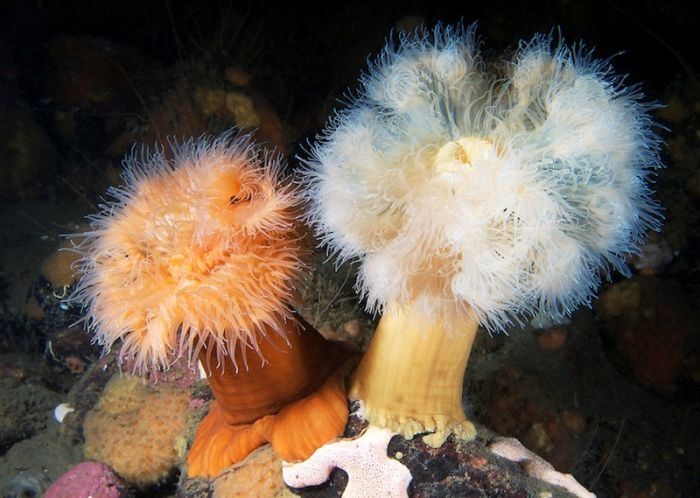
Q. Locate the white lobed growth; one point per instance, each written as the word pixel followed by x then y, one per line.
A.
pixel 198 248
pixel 371 472
pixel 503 190
pixel 513 450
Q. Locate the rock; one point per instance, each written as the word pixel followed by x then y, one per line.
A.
pixel 656 489
pixel 72 349
pixel 693 186
pixel 27 156
pixel 258 476
pixel 457 468
pixel 84 395
pixel 52 316
pixel 191 111
pixel 650 322
pixel 177 115
pixel 515 405
pixel 27 484
pixel 93 83
pixel 95 74
pixel 46 454
pixel 27 405
pixel 552 338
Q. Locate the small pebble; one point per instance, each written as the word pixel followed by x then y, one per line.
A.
pixel 538 438
pixel 574 422
pixel 327 331
pixel 553 338
pixel 352 328
pixel 61 411
pixel 27 484
pixel 75 364
pixel 237 76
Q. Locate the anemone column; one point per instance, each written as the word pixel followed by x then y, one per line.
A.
pixel 295 399
pixel 420 389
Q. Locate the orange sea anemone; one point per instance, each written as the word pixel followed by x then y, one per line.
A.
pixel 199 254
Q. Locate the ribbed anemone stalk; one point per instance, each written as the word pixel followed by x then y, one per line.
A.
pixel 475 194
pixel 199 254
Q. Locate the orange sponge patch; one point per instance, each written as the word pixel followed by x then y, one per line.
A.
pixel 137 431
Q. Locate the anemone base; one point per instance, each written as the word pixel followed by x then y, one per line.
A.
pixel 438 427
pixel 296 401
pixel 295 432
pixel 218 444
pixel 303 427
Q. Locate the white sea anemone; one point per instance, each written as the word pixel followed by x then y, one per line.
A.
pixel 475 194
pixel 498 191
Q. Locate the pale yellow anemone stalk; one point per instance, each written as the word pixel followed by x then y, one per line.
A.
pixel 410 379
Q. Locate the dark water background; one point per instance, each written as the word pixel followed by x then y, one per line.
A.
pixel 301 57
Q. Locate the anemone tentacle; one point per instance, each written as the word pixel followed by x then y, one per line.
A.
pixel 498 190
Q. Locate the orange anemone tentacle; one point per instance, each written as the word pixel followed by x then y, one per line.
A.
pixel 296 399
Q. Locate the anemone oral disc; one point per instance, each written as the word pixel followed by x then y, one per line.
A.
pixel 462 155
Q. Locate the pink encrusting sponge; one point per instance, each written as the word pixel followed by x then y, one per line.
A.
pixel 88 480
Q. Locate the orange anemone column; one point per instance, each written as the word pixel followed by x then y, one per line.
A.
pixel 294 399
